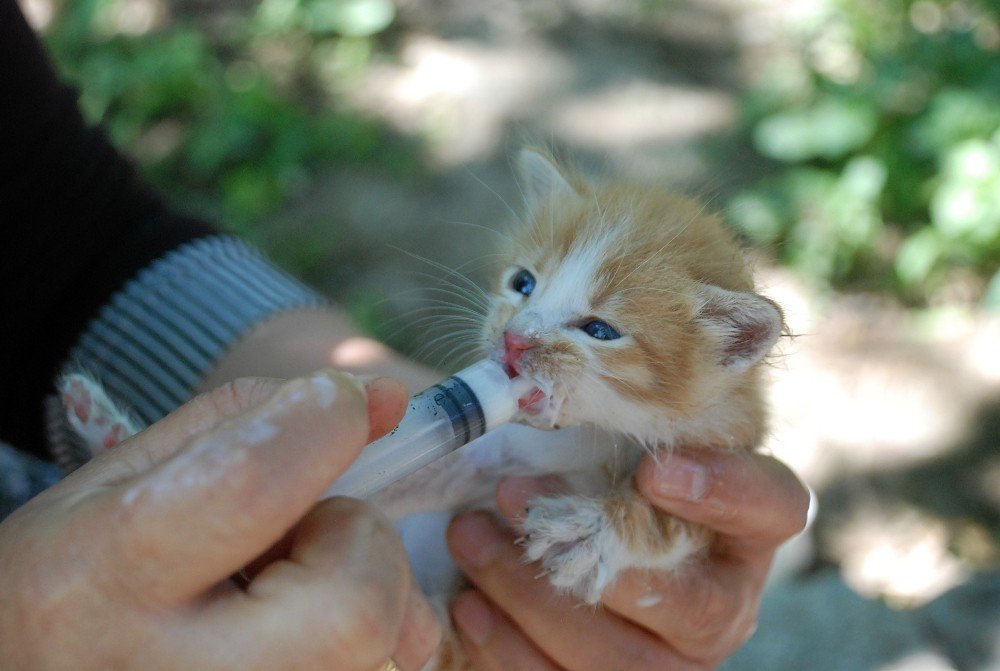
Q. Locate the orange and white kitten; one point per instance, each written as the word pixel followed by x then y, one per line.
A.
pixel 634 312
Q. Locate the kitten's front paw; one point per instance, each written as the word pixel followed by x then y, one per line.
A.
pixel 573 539
pixel 584 543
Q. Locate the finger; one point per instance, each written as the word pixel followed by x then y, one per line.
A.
pixel 572 635
pixel 421 633
pixel 705 612
pixel 386 404
pixel 340 600
pixel 163 439
pixel 753 499
pixel 233 491
pixel 491 641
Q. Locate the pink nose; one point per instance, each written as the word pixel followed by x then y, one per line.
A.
pixel 515 344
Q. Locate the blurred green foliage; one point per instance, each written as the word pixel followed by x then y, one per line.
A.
pixel 883 121
pixel 234 120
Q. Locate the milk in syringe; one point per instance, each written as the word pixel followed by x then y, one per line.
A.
pixel 438 420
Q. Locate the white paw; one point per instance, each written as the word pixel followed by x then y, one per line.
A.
pixel 573 539
pixel 93 416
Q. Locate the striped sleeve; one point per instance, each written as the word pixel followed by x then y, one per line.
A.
pixel 154 341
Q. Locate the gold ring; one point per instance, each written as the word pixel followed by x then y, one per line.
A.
pixel 389 665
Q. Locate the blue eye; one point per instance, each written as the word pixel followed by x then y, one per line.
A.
pixel 523 282
pixel 600 330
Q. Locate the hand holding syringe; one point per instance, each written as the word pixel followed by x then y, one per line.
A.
pixel 439 420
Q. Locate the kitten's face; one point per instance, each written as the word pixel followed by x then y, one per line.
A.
pixel 624 307
pixel 584 322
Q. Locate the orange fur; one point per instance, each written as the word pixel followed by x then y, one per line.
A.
pixel 645 529
pixel 657 251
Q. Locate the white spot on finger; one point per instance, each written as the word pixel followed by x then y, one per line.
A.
pixel 648 600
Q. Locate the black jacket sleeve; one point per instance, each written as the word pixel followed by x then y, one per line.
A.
pixel 75 225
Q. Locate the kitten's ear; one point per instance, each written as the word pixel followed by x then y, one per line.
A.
pixel 542 181
pixel 744 324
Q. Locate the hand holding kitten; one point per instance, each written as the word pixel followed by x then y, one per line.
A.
pixel 649 620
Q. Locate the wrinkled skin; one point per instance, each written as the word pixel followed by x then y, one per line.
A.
pixel 125 564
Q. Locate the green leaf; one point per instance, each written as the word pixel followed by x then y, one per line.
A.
pixel 352 18
pixel 991 300
pixel 918 255
pixel 967 203
pixel 831 129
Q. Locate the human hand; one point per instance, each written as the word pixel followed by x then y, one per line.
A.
pixel 693 619
pixel 124 564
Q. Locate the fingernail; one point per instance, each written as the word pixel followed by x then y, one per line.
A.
pixel 473 618
pixel 378 382
pixel 680 478
pixel 474 539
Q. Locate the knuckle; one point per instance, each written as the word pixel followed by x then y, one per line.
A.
pixel 712 614
pixel 351 509
pixel 746 631
pixel 363 519
pixel 367 528
pixel 738 629
pixel 239 394
pixel 429 638
pixel 370 626
pixel 635 656
pixel 740 632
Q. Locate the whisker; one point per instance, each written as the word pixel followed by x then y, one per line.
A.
pixel 442 267
pixel 497 232
pixel 476 177
pixel 475 293
pixel 456 293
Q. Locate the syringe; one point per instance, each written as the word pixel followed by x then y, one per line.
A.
pixel 439 420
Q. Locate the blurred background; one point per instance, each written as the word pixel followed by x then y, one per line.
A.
pixel 855 145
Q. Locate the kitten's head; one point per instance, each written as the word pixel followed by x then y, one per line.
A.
pixel 627 306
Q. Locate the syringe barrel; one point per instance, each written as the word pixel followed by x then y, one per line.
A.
pixel 438 420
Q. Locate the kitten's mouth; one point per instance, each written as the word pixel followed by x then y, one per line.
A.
pixel 533 402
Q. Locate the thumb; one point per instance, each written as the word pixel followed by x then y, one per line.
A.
pixel 228 493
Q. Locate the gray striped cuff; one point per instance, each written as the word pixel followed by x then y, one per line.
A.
pixel 164 330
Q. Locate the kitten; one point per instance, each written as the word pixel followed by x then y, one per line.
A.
pixel 634 312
